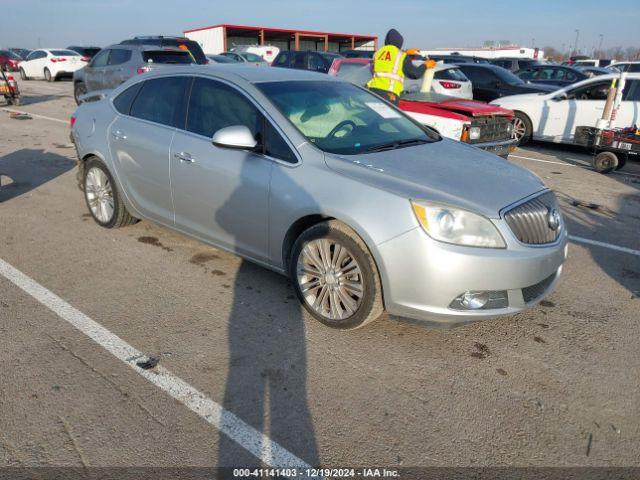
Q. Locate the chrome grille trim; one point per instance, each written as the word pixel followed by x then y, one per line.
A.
pixel 529 221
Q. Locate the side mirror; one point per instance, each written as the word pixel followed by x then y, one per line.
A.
pixel 235 136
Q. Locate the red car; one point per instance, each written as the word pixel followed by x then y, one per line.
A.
pixel 482 125
pixel 9 61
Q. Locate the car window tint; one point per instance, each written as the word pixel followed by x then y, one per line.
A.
pixel 316 62
pixel 275 146
pixel 123 101
pixel 101 59
pixel 299 60
pixel 252 57
pixel 451 74
pixel 478 75
pixel 160 99
pixel 167 56
pixel 282 60
pixel 632 91
pixel 64 53
pixel 214 105
pixel 634 68
pixel 119 56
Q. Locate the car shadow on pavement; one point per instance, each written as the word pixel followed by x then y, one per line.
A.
pixel 26 99
pixel 26 169
pixel 266 384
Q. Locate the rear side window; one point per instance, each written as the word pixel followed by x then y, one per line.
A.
pixel 214 105
pixel 100 60
pixel 167 56
pixel 299 60
pixel 282 60
pixel 123 101
pixel 317 63
pixel 119 56
pixel 478 75
pixel 160 100
pixel 451 74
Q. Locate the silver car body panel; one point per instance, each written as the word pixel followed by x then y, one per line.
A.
pixel 246 203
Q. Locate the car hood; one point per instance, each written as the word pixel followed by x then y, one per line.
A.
pixel 445 171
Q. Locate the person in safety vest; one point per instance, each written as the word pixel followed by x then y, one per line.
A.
pixel 390 67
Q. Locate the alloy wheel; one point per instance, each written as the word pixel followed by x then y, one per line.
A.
pixel 99 194
pixel 519 128
pixel 330 279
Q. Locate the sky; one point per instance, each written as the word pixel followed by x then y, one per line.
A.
pixel 424 23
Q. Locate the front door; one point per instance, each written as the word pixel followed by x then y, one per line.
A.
pixel 140 145
pixel 94 72
pixel 221 194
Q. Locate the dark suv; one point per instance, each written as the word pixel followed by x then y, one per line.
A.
pixel 86 52
pixel 491 82
pixel 309 60
pixel 176 42
pixel 117 63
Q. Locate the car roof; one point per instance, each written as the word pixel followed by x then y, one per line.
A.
pixel 248 73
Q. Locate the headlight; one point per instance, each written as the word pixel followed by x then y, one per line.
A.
pixel 474 133
pixel 457 226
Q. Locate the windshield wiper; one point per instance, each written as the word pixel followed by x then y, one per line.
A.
pixel 398 144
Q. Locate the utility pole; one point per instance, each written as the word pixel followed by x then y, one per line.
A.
pixel 600 46
pixel 575 48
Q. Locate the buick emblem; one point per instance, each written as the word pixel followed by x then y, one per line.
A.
pixel 553 219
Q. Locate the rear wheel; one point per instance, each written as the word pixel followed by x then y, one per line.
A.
pixel 605 162
pixel 47 75
pixel 335 276
pixel 79 89
pixel 103 199
pixel 521 128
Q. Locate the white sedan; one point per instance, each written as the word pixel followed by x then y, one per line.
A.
pixel 51 64
pixel 554 116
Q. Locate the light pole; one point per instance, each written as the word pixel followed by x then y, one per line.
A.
pixel 575 48
pixel 600 46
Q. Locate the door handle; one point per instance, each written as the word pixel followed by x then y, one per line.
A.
pixel 119 135
pixel 184 157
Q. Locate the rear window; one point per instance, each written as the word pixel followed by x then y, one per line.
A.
pixel 252 57
pixel 90 52
pixel 451 74
pixel 167 56
pixel 64 53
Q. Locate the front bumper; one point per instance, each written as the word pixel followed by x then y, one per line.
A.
pixel 421 277
pixel 501 147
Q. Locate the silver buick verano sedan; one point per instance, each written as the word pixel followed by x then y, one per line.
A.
pixel 363 208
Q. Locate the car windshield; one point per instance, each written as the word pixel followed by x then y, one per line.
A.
pixel 64 53
pixel 341 118
pixel 507 77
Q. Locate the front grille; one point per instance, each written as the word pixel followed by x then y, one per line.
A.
pixel 529 294
pixel 493 128
pixel 530 221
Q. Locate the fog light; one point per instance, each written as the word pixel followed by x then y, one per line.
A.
pixel 481 300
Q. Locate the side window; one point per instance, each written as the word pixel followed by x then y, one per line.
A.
pixel 160 100
pixel 123 101
pixel 528 74
pixel 101 59
pixel 32 56
pixel 282 60
pixel 214 105
pixel 632 91
pixel 119 56
pixel 316 63
pixel 592 91
pixel 633 68
pixel 299 60
pixel 275 146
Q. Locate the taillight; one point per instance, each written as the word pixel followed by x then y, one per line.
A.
pixel 141 70
pixel 72 121
pixel 55 60
pixel 10 78
pixel 449 85
pixel 85 59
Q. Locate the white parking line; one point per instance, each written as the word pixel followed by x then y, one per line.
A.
pixel 605 245
pixel 255 442
pixel 11 110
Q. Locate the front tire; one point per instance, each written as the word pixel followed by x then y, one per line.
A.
pixel 79 89
pixel 522 129
pixel 102 197
pixel 335 277
pixel 47 75
pixel 23 74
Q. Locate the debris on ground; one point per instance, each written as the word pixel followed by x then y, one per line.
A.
pixel 589 443
pixel 20 116
pixel 149 363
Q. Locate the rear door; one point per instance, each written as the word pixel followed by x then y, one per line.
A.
pixel 221 194
pixel 114 72
pixel 95 70
pixel 140 143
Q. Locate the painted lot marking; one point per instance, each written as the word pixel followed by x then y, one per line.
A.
pixel 35 115
pixel 255 442
pixel 610 246
pixel 586 165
